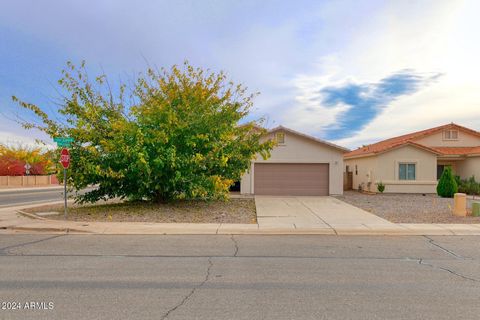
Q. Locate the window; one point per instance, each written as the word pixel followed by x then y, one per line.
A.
pixel 406 171
pixel 450 135
pixel 280 137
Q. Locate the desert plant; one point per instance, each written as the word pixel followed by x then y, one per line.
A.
pixel 380 187
pixel 447 186
pixel 469 186
pixel 458 180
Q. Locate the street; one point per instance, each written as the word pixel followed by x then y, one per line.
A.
pixel 239 277
pixel 31 196
pixel 19 197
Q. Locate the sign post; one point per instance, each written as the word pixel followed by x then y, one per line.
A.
pixel 65 161
pixel 27 168
pixel 64 142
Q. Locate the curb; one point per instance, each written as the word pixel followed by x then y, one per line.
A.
pixel 47 230
pixel 239 231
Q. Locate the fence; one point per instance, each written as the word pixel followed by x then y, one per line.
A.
pixel 27 181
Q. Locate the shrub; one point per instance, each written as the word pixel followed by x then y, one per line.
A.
pixel 380 187
pixel 458 180
pixel 447 186
pixel 170 134
pixel 469 186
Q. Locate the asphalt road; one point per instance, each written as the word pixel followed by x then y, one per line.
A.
pixel 29 196
pixel 240 277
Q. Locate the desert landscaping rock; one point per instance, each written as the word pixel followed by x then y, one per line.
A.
pixel 232 211
pixel 408 208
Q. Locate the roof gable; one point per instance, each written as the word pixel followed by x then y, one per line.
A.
pixel 410 138
pixel 306 136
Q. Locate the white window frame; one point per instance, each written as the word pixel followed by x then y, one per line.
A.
pixel 276 138
pixel 450 135
pixel 414 164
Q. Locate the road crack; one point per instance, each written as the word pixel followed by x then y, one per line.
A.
pixel 432 242
pixel 236 245
pixel 5 250
pixel 190 294
pixel 423 263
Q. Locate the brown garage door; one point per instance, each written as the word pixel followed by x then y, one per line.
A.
pixel 293 179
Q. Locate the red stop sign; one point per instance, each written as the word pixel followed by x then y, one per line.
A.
pixel 65 158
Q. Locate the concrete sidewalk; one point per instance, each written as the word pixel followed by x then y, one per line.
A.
pixel 315 222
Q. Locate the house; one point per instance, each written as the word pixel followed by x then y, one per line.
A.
pixel 414 162
pixel 299 165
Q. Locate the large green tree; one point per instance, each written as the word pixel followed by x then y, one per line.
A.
pixel 174 135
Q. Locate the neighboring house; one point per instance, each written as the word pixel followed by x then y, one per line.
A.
pixel 300 165
pixel 414 162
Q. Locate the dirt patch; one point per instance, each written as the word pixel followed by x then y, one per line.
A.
pixel 231 211
pixel 408 208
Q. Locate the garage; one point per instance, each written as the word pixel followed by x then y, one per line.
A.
pixel 298 165
pixel 292 179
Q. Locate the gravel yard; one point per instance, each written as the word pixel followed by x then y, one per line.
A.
pixel 232 211
pixel 408 208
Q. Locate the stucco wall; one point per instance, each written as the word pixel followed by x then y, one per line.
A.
pixel 25 181
pixel 468 167
pixel 426 163
pixel 364 170
pixel 436 140
pixel 384 168
pixel 426 170
pixel 298 149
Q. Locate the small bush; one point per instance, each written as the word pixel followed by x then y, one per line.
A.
pixel 380 187
pixel 447 186
pixel 468 186
pixel 458 180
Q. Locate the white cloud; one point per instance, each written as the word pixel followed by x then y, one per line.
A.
pixel 285 50
pixel 428 37
pixel 11 138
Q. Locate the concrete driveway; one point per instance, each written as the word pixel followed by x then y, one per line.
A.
pixel 315 213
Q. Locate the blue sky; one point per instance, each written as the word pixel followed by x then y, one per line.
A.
pixel 351 72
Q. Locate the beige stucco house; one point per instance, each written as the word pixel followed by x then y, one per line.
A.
pixel 414 162
pixel 299 165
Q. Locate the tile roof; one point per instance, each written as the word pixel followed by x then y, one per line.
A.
pixel 410 138
pixel 458 150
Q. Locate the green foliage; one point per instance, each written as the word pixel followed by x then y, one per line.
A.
pixel 380 187
pixel 468 186
pixel 176 136
pixel 447 186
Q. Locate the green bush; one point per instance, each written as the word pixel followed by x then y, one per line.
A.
pixel 447 186
pixel 380 187
pixel 458 180
pixel 468 186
